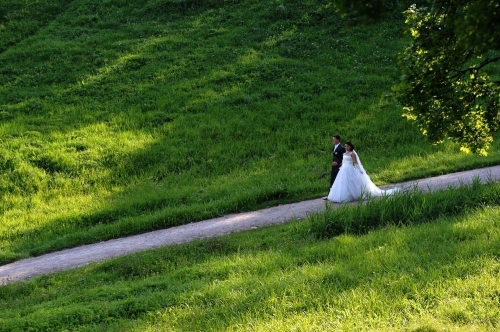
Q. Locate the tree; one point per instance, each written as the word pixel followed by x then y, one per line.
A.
pixel 451 71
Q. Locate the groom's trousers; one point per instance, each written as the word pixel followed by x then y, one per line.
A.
pixel 333 176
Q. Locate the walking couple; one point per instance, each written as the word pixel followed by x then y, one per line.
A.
pixel 349 181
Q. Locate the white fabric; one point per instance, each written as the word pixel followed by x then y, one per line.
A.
pixel 352 182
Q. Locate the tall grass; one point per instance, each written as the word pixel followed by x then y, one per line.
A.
pixel 408 207
pixel 429 276
pixel 120 117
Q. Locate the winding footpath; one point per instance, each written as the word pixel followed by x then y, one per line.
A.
pixel 87 254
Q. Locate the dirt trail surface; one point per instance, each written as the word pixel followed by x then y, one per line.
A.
pixel 80 256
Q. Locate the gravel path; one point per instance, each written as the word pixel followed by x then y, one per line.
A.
pixel 80 256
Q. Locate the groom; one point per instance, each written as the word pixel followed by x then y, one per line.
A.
pixel 338 154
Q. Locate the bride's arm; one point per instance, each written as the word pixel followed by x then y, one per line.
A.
pixel 354 158
pixel 355 162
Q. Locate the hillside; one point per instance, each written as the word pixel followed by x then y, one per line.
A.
pixel 120 117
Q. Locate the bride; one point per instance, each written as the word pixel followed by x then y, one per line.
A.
pixel 352 180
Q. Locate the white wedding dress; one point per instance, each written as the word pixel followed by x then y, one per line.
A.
pixel 352 183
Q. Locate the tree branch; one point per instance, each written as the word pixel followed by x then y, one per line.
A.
pixel 481 65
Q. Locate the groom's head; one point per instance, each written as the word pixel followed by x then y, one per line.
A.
pixel 336 139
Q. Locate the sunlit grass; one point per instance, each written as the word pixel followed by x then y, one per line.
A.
pixel 120 118
pixel 407 207
pixel 439 275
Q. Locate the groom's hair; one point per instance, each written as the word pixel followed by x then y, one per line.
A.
pixel 337 137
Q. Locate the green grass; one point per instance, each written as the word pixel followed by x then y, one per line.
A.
pixel 409 207
pixel 427 276
pixel 124 117
pixel 120 117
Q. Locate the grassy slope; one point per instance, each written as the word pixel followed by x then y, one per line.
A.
pixel 121 117
pixel 73 155
pixel 440 276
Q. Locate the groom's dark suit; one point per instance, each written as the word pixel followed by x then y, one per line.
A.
pixel 338 155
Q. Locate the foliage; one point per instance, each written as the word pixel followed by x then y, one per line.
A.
pixel 450 85
pixel 450 88
pixel 371 11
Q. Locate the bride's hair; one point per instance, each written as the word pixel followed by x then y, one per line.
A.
pixel 350 144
